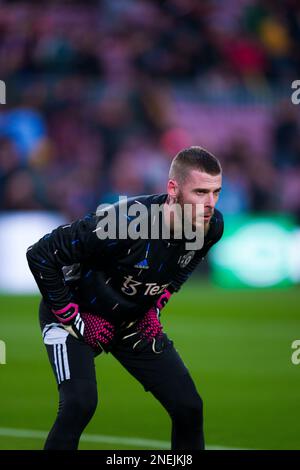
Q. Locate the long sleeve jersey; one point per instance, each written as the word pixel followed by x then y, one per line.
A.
pixel 116 278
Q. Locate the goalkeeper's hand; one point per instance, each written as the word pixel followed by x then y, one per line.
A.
pixel 163 300
pixel 92 329
pixel 147 331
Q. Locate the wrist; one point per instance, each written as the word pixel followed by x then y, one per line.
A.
pixel 163 299
pixel 67 314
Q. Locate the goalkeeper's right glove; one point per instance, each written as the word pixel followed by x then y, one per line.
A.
pixel 92 329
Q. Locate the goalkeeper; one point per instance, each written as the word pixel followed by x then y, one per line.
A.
pixel 105 296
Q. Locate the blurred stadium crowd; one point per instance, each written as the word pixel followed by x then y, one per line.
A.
pixel 101 95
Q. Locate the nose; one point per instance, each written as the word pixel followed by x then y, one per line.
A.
pixel 210 201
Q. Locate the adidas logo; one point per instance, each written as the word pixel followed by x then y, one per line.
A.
pixel 142 265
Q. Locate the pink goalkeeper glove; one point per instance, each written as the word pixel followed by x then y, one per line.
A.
pixel 163 299
pixel 92 329
pixel 146 332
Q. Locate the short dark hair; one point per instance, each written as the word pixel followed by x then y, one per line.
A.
pixel 194 158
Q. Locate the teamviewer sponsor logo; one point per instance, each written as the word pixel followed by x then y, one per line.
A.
pixel 2 92
pixel 133 222
pixel 2 352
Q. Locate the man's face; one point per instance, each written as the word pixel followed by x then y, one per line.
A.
pixel 198 188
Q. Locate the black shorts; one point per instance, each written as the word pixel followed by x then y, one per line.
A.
pixel 71 358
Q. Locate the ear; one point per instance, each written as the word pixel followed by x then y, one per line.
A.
pixel 172 189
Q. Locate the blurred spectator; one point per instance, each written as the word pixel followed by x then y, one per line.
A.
pixel 102 94
pixel 290 191
pixel 9 164
pixel 25 127
pixel 286 146
pixel 21 193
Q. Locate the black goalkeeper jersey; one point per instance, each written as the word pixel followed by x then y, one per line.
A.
pixel 118 279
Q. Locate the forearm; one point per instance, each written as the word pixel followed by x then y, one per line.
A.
pixel 164 298
pixel 63 247
pixel 49 278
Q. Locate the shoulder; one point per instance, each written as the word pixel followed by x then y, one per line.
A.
pixel 119 216
pixel 148 200
pixel 138 205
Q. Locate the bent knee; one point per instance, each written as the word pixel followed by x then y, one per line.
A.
pixel 80 397
pixel 190 409
pixel 186 403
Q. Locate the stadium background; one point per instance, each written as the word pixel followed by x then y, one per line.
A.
pixel 99 97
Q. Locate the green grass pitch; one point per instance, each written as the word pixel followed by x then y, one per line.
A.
pixel 236 343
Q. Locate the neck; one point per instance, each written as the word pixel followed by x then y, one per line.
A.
pixel 170 218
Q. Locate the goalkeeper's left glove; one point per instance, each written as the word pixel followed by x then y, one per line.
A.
pixel 147 331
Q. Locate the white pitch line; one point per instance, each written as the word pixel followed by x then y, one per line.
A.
pixel 99 438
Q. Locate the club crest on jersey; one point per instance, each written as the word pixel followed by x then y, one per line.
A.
pixel 186 259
